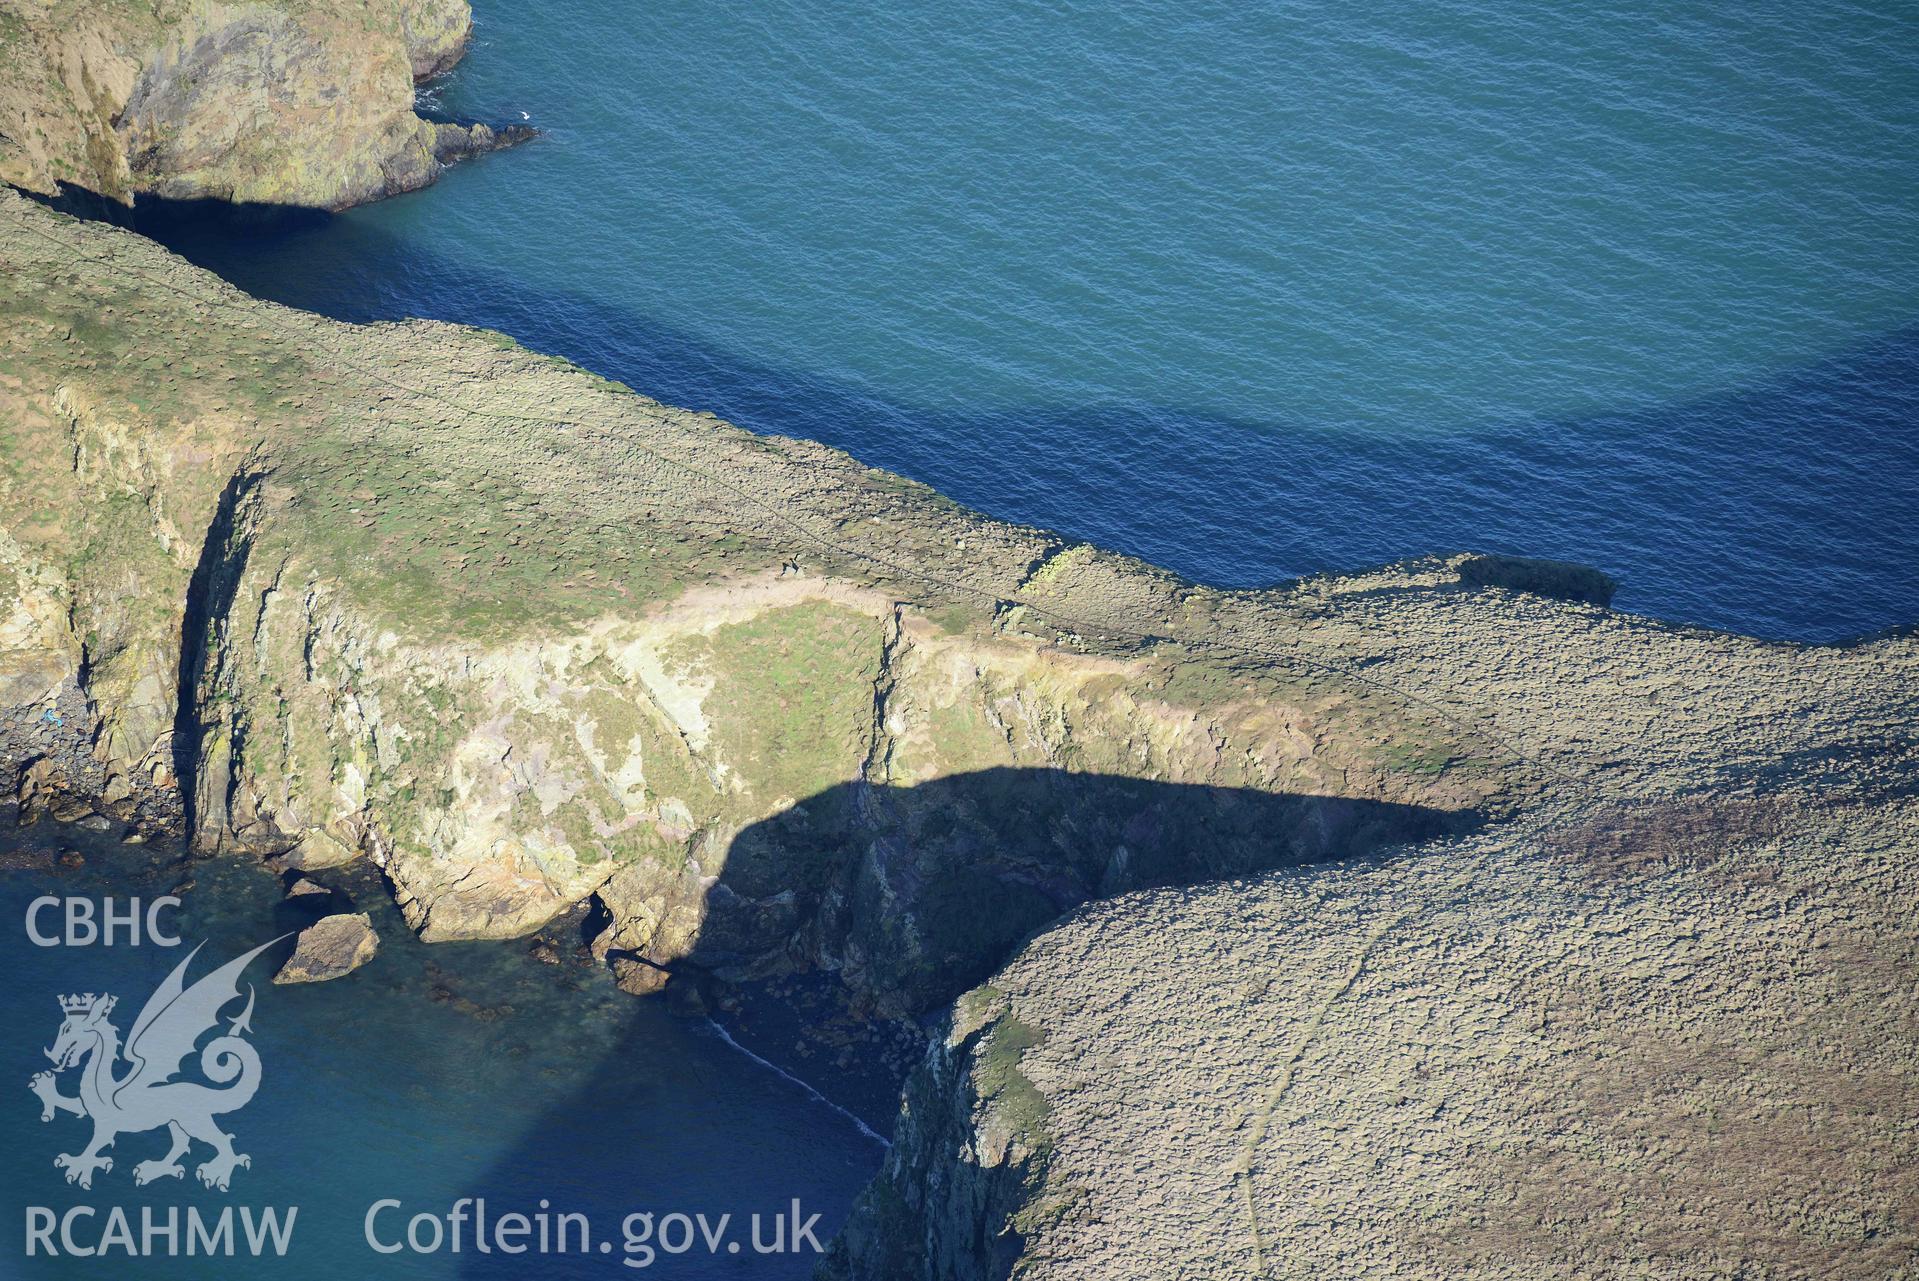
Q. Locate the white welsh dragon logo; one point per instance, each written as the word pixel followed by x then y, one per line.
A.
pixel 146 1096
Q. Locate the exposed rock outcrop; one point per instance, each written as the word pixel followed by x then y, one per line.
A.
pixel 965 1181
pixel 263 102
pixel 564 640
pixel 330 948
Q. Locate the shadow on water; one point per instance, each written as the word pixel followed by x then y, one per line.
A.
pixel 160 216
pixel 410 1079
pixel 981 861
pixel 1697 524
pixel 480 1070
pixel 676 1154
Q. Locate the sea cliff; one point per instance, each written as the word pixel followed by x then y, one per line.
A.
pixel 522 637
pixel 270 102
pixel 1151 851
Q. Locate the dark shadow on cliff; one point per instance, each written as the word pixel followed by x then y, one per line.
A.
pixel 170 219
pixel 918 893
pixel 1670 499
pixel 210 592
pixel 921 891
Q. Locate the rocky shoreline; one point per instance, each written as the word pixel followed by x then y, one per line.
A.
pixel 48 767
pixel 1396 880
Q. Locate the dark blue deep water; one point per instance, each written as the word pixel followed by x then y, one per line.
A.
pixel 1249 289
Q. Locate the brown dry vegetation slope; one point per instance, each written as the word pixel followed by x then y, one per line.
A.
pixel 1508 1058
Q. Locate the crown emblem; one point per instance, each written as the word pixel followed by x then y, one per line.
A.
pixel 86 1004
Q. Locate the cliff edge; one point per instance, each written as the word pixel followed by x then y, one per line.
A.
pixel 412 593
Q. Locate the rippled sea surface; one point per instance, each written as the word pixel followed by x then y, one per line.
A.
pixel 1252 289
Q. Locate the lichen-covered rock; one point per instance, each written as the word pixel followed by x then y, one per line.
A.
pixel 437 33
pixel 263 102
pixel 330 948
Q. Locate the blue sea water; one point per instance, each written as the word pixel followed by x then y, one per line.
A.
pixel 1252 289
pixel 434 1073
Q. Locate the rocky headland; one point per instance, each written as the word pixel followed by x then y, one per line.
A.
pixel 1433 921
pixel 522 637
pixel 283 103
